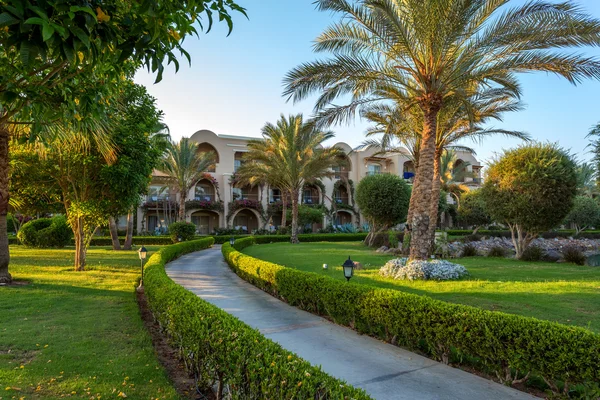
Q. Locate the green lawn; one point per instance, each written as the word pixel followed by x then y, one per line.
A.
pixel 76 334
pixel 564 293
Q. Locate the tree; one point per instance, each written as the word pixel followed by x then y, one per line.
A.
pixel 294 149
pixel 472 212
pixel 383 200
pixel 308 215
pixel 530 189
pixel 185 165
pixel 586 180
pixel 429 53
pixel 584 214
pixel 47 44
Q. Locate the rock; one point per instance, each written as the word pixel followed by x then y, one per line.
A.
pixel 357 265
pixel 382 249
pixel 551 256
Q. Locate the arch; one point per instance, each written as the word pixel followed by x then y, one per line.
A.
pixel 205 190
pixel 456 167
pixel 408 170
pixel 342 217
pixel 246 217
pixel 204 135
pixel 206 147
pixel 311 194
pixel 206 221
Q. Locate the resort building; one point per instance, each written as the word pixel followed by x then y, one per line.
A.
pixel 218 201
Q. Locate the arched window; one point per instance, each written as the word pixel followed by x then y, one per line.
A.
pixel 207 148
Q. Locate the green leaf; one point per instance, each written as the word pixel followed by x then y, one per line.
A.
pixel 81 35
pixel 84 9
pixel 7 19
pixel 26 52
pixel 47 31
pixel 61 31
pixel 34 21
pixel 69 52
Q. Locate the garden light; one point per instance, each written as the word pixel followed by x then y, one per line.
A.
pixel 348 268
pixel 231 240
pixel 142 252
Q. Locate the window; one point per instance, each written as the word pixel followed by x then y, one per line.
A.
pixel 156 193
pixel 275 195
pixel 237 193
pixel 337 172
pixel 373 169
pixel 203 193
pixel 236 165
pixel 308 196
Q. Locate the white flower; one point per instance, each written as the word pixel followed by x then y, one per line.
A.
pixel 423 270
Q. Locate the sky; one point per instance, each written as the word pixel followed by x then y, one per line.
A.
pixel 234 84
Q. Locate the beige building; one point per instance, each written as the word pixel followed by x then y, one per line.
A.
pixel 216 201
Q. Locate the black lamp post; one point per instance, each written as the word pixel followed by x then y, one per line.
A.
pixel 231 240
pixel 348 267
pixel 142 252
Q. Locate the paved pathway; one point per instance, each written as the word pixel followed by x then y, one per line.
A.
pixel 383 370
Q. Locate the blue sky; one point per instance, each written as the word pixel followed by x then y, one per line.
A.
pixel 234 84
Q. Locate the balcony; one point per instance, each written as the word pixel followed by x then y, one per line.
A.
pixel 205 197
pixel 310 200
pixel 245 196
pixel 341 200
pixel 161 197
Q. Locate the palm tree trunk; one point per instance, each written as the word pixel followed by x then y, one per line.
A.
pixel 294 238
pixel 283 210
pixel 80 248
pixel 436 187
pixel 181 207
pixel 129 234
pixel 114 234
pixel 5 277
pixel 420 245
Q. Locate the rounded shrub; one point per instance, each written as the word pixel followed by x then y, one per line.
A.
pixel 573 254
pixel 468 250
pixel 532 253
pixel 46 233
pixel 182 231
pixel 497 251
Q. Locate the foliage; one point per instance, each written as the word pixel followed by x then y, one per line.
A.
pixel 468 250
pixel 383 200
pixel 500 342
pixel 393 239
pixel 531 189
pixel 439 270
pixel 573 254
pixel 585 213
pixel 471 211
pixel 532 253
pixel 308 215
pixel 46 233
pixel 497 251
pixel 93 318
pixel 586 179
pixel 219 348
pixel 290 154
pixel 182 231
pixel 204 205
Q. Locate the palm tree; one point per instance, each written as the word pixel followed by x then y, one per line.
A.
pixel 586 180
pixel 431 52
pixel 184 165
pixel 293 151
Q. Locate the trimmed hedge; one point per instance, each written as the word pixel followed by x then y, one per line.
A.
pixel 220 349
pixel 46 233
pixel 546 235
pixel 493 341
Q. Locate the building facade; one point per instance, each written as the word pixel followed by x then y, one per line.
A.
pixel 218 201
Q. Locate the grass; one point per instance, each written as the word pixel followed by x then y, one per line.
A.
pixel 76 334
pixel 564 293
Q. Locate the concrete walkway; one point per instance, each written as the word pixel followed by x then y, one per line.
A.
pixel 383 370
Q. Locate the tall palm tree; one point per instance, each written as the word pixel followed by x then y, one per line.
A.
pixel 432 52
pixel 184 165
pixel 586 180
pixel 293 150
pixel 452 175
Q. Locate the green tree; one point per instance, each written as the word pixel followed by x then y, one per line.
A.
pixel 430 53
pixel 293 148
pixel 584 214
pixel 184 165
pixel 383 200
pixel 45 45
pixel 530 189
pixel 472 212
pixel 308 215
pixel 586 179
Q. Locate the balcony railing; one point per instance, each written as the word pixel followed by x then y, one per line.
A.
pixel 245 196
pixel 161 197
pixel 341 200
pixel 205 197
pixel 310 199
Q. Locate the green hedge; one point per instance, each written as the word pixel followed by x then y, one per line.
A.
pixel 219 348
pixel 546 235
pixel 493 341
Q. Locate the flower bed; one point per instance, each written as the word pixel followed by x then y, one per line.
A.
pixel 439 270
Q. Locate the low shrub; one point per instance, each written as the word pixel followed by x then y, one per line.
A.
pixel 393 239
pixel 222 351
pixel 468 250
pixel 439 270
pixel 46 233
pixel 573 254
pixel 500 343
pixel 182 231
pixel 532 253
pixel 497 251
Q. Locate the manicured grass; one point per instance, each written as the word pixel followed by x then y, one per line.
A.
pixel 564 293
pixel 76 334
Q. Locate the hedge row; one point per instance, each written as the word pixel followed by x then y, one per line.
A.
pixel 307 237
pixel 222 351
pixel 545 235
pixel 493 341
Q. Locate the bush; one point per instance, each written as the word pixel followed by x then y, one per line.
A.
pixel 182 231
pixel 573 254
pixel 219 349
pixel 498 342
pixel 532 253
pixel 468 250
pixel 439 270
pixel 497 251
pixel 46 233
pixel 11 223
pixel 393 239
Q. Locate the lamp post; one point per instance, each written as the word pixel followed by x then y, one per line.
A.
pixel 348 267
pixel 142 252
pixel 231 241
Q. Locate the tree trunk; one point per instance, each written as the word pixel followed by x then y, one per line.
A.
pixel 420 245
pixel 5 277
pixel 284 210
pixel 521 240
pixel 181 207
pixel 436 187
pixel 294 238
pixel 114 234
pixel 80 248
pixel 129 234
